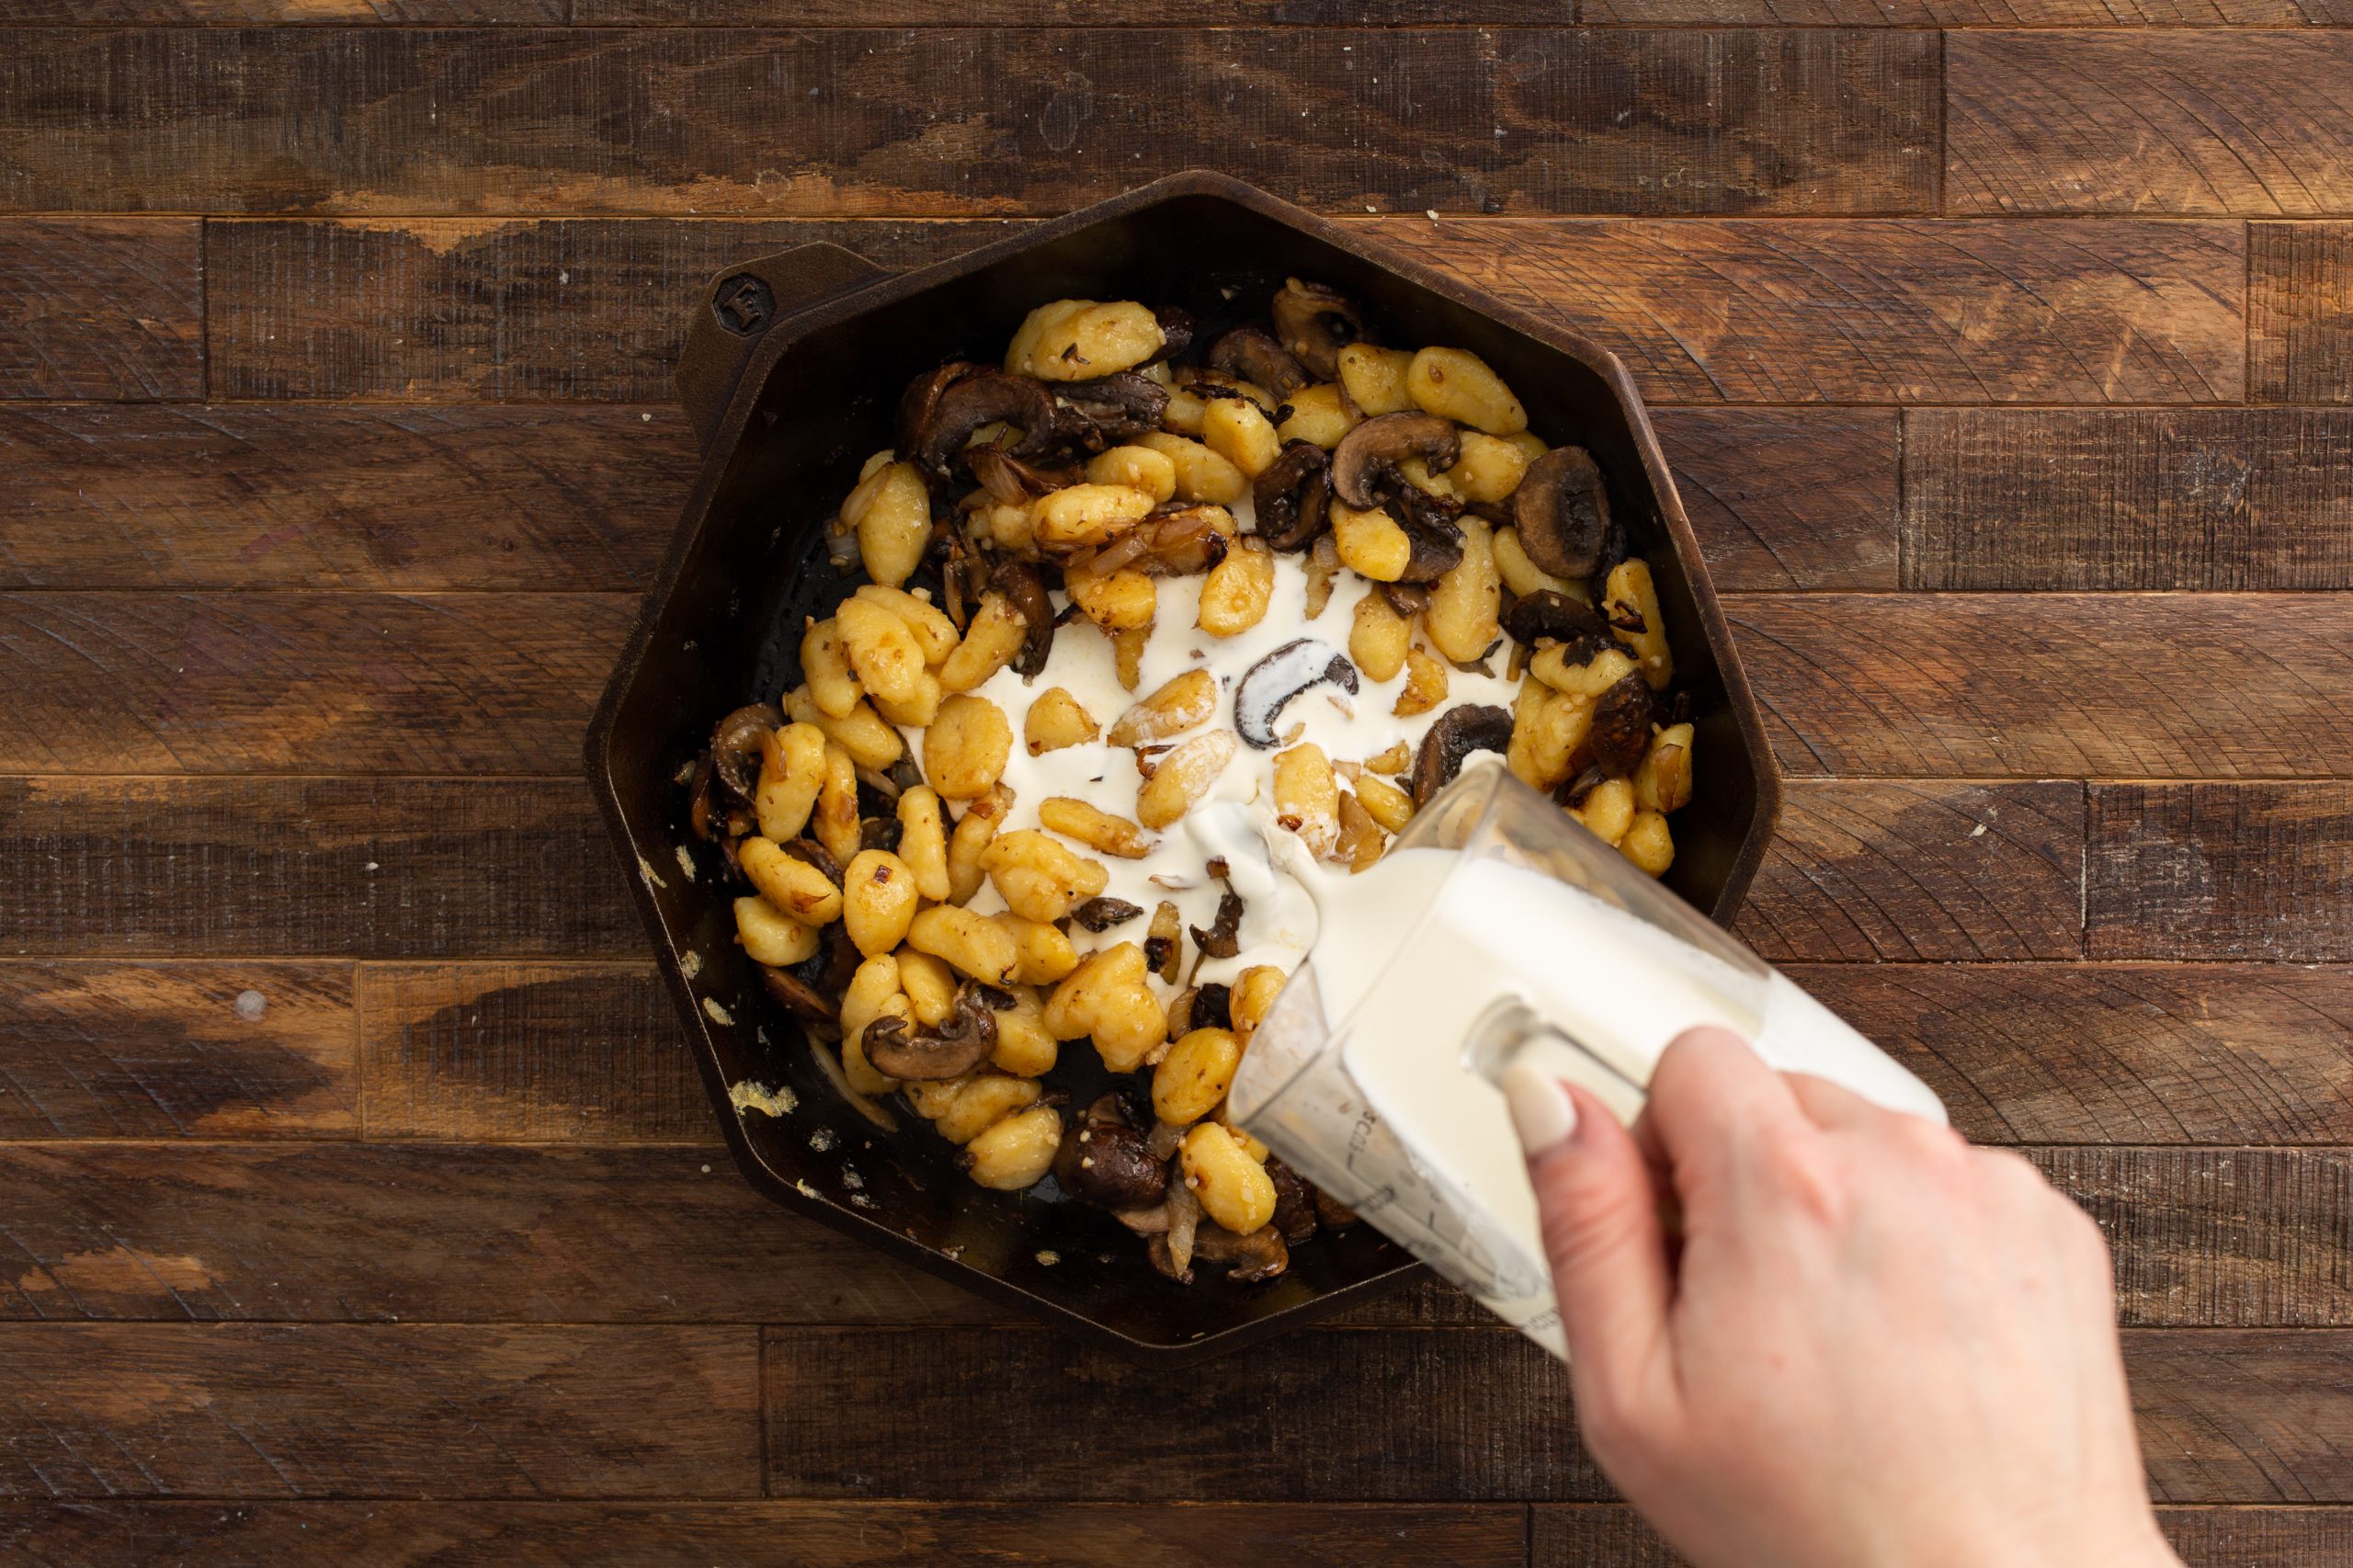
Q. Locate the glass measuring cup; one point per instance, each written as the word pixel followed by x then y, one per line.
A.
pixel 1499 930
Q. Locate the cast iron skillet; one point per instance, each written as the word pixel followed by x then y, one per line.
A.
pixel 792 366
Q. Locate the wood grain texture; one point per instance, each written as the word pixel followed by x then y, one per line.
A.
pixel 804 1535
pixel 2300 312
pixel 230 683
pixel 104 867
pixel 2189 498
pixel 1788 498
pixel 1489 1419
pixel 356 496
pixel 1993 685
pixel 1603 1535
pixel 2114 1053
pixel 101 308
pixel 1884 310
pixel 283 13
pixel 1903 871
pixel 543 1052
pixel 445 1233
pixel 1973 13
pixel 2219 871
pixel 169 1050
pixel 2244 1417
pixel 806 123
pixel 436 310
pixel 2249 124
pixel 1063 13
pixel 229 1410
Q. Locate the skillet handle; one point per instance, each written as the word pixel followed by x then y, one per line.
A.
pixel 737 308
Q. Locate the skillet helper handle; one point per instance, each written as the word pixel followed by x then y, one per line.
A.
pixel 737 308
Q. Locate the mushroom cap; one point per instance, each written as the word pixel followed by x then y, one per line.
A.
pixel 1025 591
pixel 1291 497
pixel 1621 726
pixel 1562 510
pixel 1117 407
pixel 1545 613
pixel 796 995
pixel 1110 1165
pixel 1314 322
pixel 735 746
pixel 1268 686
pixel 981 397
pixel 1364 465
pixel 1458 733
pixel 919 402
pixel 929 1055
pixel 1252 353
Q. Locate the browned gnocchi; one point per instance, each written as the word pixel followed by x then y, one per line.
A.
pixel 1119 548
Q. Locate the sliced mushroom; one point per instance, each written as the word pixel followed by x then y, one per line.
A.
pixel 920 403
pixel 1563 511
pixel 814 854
pixel 1025 591
pixel 1118 407
pixel 1314 322
pixel 1547 614
pixel 1109 1165
pixel 1571 792
pixel 1294 1202
pixel 1102 914
pixel 1364 465
pixel 984 397
pixel 735 747
pixel 1269 685
pixel 1621 726
pixel 1177 329
pixel 1212 1006
pixel 796 995
pixel 1252 354
pixel 1436 537
pixel 1291 497
pixel 1223 938
pixel 928 1055
pixel 1458 733
pixel 1256 1257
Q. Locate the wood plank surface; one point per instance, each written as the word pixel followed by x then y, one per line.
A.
pixel 804 1535
pixel 2115 1054
pixel 1955 14
pixel 1994 685
pixel 1788 498
pixel 227 1410
pixel 2300 312
pixel 2244 1417
pixel 2247 124
pixel 261 682
pixel 2124 499
pixel 1603 1535
pixel 482 1233
pixel 2219 871
pixel 352 496
pixel 540 1053
pixel 284 13
pixel 101 308
pixel 177 1050
pixel 370 120
pixel 98 867
pixel 1904 871
pixel 432 309
pixel 1881 311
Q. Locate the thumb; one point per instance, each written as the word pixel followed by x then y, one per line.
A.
pixel 1599 1206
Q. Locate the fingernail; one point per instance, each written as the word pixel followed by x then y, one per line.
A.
pixel 1541 1112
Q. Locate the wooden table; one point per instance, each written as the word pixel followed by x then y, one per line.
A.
pixel 356 1202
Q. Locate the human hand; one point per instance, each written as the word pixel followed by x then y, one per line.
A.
pixel 1872 1345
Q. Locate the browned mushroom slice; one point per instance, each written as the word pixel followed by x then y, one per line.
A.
pixel 1546 614
pixel 1563 511
pixel 1621 726
pixel 814 854
pixel 1573 791
pixel 1252 354
pixel 1223 938
pixel 1430 529
pixel 1213 1006
pixel 984 397
pixel 920 402
pixel 1268 686
pixel 796 995
pixel 1025 591
pixel 1118 407
pixel 1256 1257
pixel 1294 1202
pixel 1109 1165
pixel 1364 465
pixel 928 1055
pixel 1314 322
pixel 1177 329
pixel 735 747
pixel 1009 479
pixel 1102 914
pixel 1458 733
pixel 1291 497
